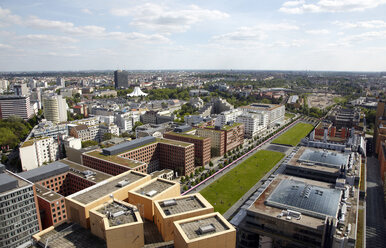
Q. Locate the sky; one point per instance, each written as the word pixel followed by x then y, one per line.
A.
pixel 338 35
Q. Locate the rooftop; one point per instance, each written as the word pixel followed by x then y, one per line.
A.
pixel 85 172
pixel 125 146
pixel 70 235
pixel 47 194
pixel 174 142
pixel 306 198
pixel 118 213
pixel 45 171
pixel 154 187
pixel 187 135
pixel 322 157
pixel 202 227
pixel 104 188
pixel 227 127
pixel 181 205
pixel 115 159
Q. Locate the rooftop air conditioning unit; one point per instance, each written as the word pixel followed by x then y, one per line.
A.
pixel 117 214
pixel 151 193
pixel 169 203
pixel 206 229
pixel 123 183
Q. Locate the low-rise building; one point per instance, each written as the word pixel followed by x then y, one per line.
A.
pixel 210 230
pixel 156 189
pixel 167 211
pixel 118 223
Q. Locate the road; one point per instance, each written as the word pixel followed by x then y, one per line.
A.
pixel 375 222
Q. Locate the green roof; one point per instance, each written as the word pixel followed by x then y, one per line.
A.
pixel 28 143
pixel 115 159
pixel 187 135
pixel 174 142
pixel 227 127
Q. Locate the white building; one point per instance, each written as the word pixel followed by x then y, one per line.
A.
pixel 72 142
pixel 108 128
pixel 55 108
pixel 126 121
pixel 35 152
pixel 275 112
pixel 15 105
pixel 230 115
pixel 254 123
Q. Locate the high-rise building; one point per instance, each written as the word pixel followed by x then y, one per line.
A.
pixel 60 82
pixel 20 89
pixel 121 79
pixel 15 105
pixel 19 217
pixel 55 108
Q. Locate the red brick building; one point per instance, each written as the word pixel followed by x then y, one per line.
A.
pixel 147 157
pixel 201 146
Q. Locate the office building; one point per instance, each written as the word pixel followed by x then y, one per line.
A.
pixel 55 108
pixel 324 165
pixel 156 189
pixel 15 105
pixel 202 145
pixel 121 79
pixel 275 112
pixel 118 223
pixel 345 117
pixel 21 89
pixel 223 138
pixel 80 203
pixel 145 155
pixel 297 212
pixel 169 210
pixel 210 230
pixel 38 151
pixel 19 214
pixel 60 82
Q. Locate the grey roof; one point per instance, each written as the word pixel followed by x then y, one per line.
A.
pixel 330 159
pixel 7 182
pixel 308 199
pixel 181 129
pixel 113 150
pixel 45 171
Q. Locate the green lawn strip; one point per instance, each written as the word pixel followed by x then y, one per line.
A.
pixel 228 189
pixel 360 228
pixel 289 115
pixel 294 135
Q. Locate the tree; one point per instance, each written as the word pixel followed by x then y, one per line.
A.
pixel 89 143
pixel 185 188
pixel 125 135
pixel 107 136
pixel 137 124
pixel 210 164
pixel 182 179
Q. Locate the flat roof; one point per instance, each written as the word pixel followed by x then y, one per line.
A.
pixel 323 157
pixel 45 171
pixel 188 135
pixel 47 194
pixel 191 228
pixel 154 187
pixel 181 205
pixel 308 199
pixel 70 235
pixel 8 182
pixel 115 159
pixel 86 172
pixel 122 147
pixel 174 142
pixel 118 214
pixel 104 188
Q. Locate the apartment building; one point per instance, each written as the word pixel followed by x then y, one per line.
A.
pixel 38 151
pixel 275 112
pixel 19 213
pixel 254 123
pixel 15 105
pixel 202 145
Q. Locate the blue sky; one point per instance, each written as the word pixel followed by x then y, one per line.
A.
pixel 173 34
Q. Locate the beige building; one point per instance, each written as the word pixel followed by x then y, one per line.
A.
pixel 80 203
pixel 157 189
pixel 118 223
pixel 217 140
pixel 211 230
pixel 55 108
pixel 169 210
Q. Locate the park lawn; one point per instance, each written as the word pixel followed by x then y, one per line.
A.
pixel 289 115
pixel 228 189
pixel 293 136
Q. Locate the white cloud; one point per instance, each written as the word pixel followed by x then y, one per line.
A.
pixel 3 46
pixel 156 17
pixel 45 38
pixel 7 18
pixel 367 36
pixel 299 7
pixel 318 31
pixel 256 33
pixel 362 24
pixel 86 11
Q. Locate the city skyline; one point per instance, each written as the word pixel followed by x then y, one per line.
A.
pixel 345 35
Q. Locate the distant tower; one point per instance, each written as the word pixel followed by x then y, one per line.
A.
pixel 60 82
pixel 121 79
pixel 20 89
